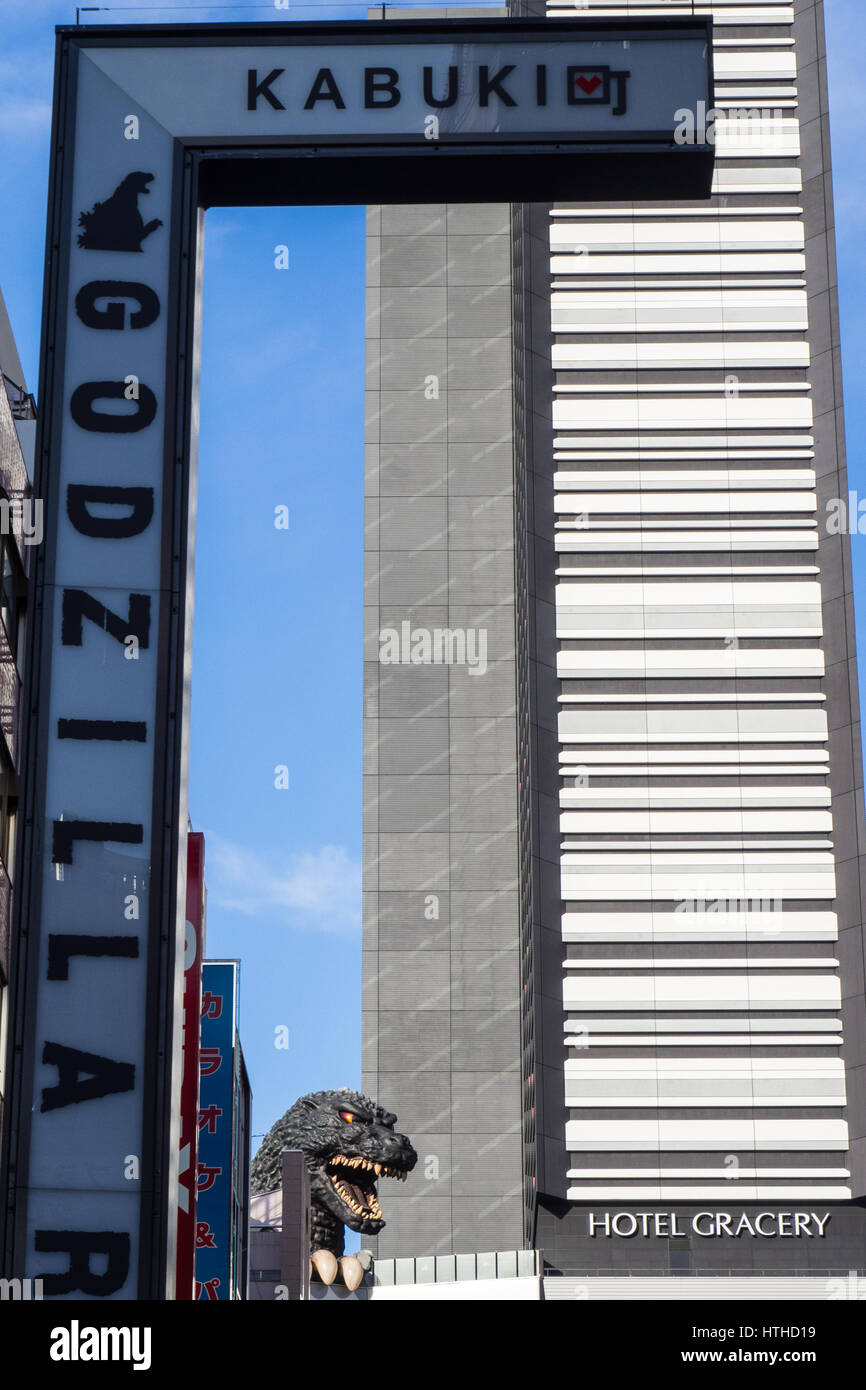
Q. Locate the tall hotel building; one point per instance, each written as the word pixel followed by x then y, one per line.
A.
pixel 614 925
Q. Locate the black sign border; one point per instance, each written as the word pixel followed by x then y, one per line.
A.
pixel 244 172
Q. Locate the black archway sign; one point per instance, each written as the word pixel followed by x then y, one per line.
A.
pixel 151 126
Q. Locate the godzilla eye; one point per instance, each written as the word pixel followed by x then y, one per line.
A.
pixel 347 1116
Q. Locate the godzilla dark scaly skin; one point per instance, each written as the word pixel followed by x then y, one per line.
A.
pixel 348 1142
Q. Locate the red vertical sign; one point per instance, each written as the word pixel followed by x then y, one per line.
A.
pixel 193 954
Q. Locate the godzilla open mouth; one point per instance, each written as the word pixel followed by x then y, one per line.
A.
pixel 360 1196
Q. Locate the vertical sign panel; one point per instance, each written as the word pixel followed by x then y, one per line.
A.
pixel 88 1147
pixel 189 1086
pixel 213 1256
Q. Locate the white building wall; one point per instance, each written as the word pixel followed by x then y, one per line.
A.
pixel 697 832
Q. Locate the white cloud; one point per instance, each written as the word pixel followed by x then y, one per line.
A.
pixel 217 233
pixel 318 891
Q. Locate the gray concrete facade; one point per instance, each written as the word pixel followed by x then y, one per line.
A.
pixel 441 919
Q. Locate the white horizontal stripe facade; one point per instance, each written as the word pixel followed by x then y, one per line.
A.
pixel 630 356
pixel 700 1136
pixel 711 992
pixel 705 1191
pixel 679 311
pixel 754 962
pixel 733 1081
pixel 801 1288
pixel 722 11
pixel 688 234
pixel 697 858
pixel 719 920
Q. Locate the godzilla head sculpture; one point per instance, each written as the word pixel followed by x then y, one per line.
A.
pixel 349 1143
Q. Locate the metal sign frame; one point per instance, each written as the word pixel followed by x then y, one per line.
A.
pixel 91 1127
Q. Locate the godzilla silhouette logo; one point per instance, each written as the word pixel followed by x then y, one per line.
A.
pixel 349 1142
pixel 117 224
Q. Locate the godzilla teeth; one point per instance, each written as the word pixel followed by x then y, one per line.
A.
pixel 325 1265
pixel 370 1210
pixel 373 1209
pixel 368 1166
pixel 352 1271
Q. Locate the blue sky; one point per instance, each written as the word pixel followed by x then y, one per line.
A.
pixel 277 634
pixel 282 425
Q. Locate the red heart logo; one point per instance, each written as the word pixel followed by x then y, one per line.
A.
pixel 588 84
